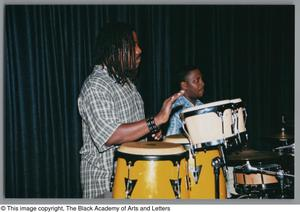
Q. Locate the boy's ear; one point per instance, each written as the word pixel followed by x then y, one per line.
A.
pixel 183 85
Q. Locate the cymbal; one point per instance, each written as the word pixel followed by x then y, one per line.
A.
pixel 251 155
pixel 282 136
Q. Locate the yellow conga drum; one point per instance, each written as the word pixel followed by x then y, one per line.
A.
pixel 201 170
pixel 151 170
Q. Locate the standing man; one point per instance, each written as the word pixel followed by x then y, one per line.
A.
pixel 191 82
pixel 111 108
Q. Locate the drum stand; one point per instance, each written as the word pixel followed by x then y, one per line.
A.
pixel 217 164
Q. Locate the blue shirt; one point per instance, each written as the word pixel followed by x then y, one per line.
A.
pixel 175 123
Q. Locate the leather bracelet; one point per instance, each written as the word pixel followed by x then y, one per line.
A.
pixel 153 128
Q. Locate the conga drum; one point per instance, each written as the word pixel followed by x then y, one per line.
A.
pixel 151 170
pixel 201 170
pixel 208 124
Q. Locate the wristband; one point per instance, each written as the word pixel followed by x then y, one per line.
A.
pixel 153 128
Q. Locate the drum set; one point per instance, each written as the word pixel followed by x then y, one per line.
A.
pixel 208 161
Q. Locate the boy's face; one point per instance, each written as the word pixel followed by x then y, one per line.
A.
pixel 194 85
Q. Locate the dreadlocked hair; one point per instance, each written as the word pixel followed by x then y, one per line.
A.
pixel 115 48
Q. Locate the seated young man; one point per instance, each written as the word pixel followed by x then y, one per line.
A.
pixel 190 80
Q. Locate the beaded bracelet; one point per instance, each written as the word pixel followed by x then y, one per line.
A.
pixel 153 128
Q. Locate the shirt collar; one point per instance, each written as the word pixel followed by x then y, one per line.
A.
pixel 197 102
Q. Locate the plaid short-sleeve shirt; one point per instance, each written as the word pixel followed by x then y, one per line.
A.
pixel 103 106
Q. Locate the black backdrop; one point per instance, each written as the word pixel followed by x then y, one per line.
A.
pixel 243 51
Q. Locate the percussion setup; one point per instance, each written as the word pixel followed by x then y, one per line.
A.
pixel 210 160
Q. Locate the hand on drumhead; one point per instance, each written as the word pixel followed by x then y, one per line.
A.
pixel 164 113
pixel 157 136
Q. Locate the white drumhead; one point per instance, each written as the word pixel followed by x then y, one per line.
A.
pixel 236 100
pixel 211 104
pixel 176 139
pixel 151 148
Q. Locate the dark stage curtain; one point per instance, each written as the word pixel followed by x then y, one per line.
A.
pixel 243 51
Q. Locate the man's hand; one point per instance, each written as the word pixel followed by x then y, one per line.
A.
pixel 165 111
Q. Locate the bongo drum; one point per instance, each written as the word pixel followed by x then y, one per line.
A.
pixel 151 170
pixel 201 170
pixel 208 124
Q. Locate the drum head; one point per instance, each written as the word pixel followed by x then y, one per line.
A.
pixel 212 104
pixel 267 167
pixel 176 139
pixel 151 148
pixel 235 100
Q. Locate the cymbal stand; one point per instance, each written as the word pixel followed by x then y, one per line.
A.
pixel 280 176
pixel 285 140
pixel 292 146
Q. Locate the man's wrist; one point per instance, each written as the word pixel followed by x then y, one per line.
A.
pixel 157 120
pixel 152 126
